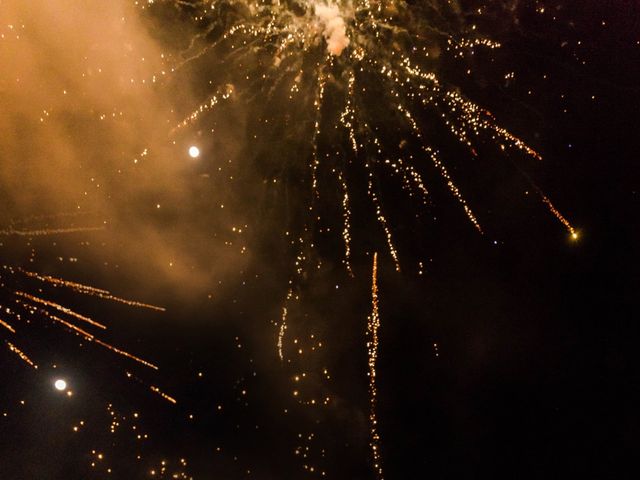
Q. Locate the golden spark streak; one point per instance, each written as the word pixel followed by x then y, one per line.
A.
pixel 60 308
pixel 7 326
pixel 23 356
pixel 168 398
pixel 373 324
pixel 283 324
pixel 319 97
pixel 125 354
pixel 89 290
pixel 346 229
pixel 559 216
pixel 70 325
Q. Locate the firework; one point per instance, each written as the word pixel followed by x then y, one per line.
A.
pixel 359 80
pixel 356 87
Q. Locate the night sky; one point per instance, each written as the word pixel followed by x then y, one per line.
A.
pixel 220 320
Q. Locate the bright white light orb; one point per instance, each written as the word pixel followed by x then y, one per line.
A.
pixel 60 384
pixel 194 152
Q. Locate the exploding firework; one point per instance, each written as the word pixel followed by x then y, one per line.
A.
pixel 352 91
pixel 343 98
pixel 355 86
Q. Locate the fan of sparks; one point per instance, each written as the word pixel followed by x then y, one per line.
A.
pixel 351 92
pixel 353 85
pixel 354 81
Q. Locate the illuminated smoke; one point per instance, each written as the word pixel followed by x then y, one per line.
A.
pixel 334 28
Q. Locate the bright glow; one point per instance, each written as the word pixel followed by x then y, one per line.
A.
pixel 60 384
pixel 194 152
pixel 574 236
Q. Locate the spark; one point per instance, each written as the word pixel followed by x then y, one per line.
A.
pixel 7 326
pixel 61 308
pixel 559 216
pixel 283 324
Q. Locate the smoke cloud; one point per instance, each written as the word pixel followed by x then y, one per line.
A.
pixel 334 28
pixel 83 130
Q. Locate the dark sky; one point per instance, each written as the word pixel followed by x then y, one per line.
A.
pixel 511 355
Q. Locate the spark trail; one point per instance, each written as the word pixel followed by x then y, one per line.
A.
pixel 23 307
pixel 373 325
pixel 357 88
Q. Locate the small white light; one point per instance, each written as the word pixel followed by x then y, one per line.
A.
pixel 194 152
pixel 60 384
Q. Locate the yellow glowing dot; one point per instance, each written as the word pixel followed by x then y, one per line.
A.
pixel 574 236
pixel 194 152
pixel 60 384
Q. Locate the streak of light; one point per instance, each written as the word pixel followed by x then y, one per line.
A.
pixel 89 290
pixel 60 308
pixel 168 398
pixel 48 231
pixel 373 324
pixel 23 356
pixel 7 326
pixel 559 216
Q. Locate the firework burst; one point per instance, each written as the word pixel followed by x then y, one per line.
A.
pixel 343 97
pixel 356 84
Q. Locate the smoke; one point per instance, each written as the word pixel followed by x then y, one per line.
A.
pixel 79 112
pixel 334 28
